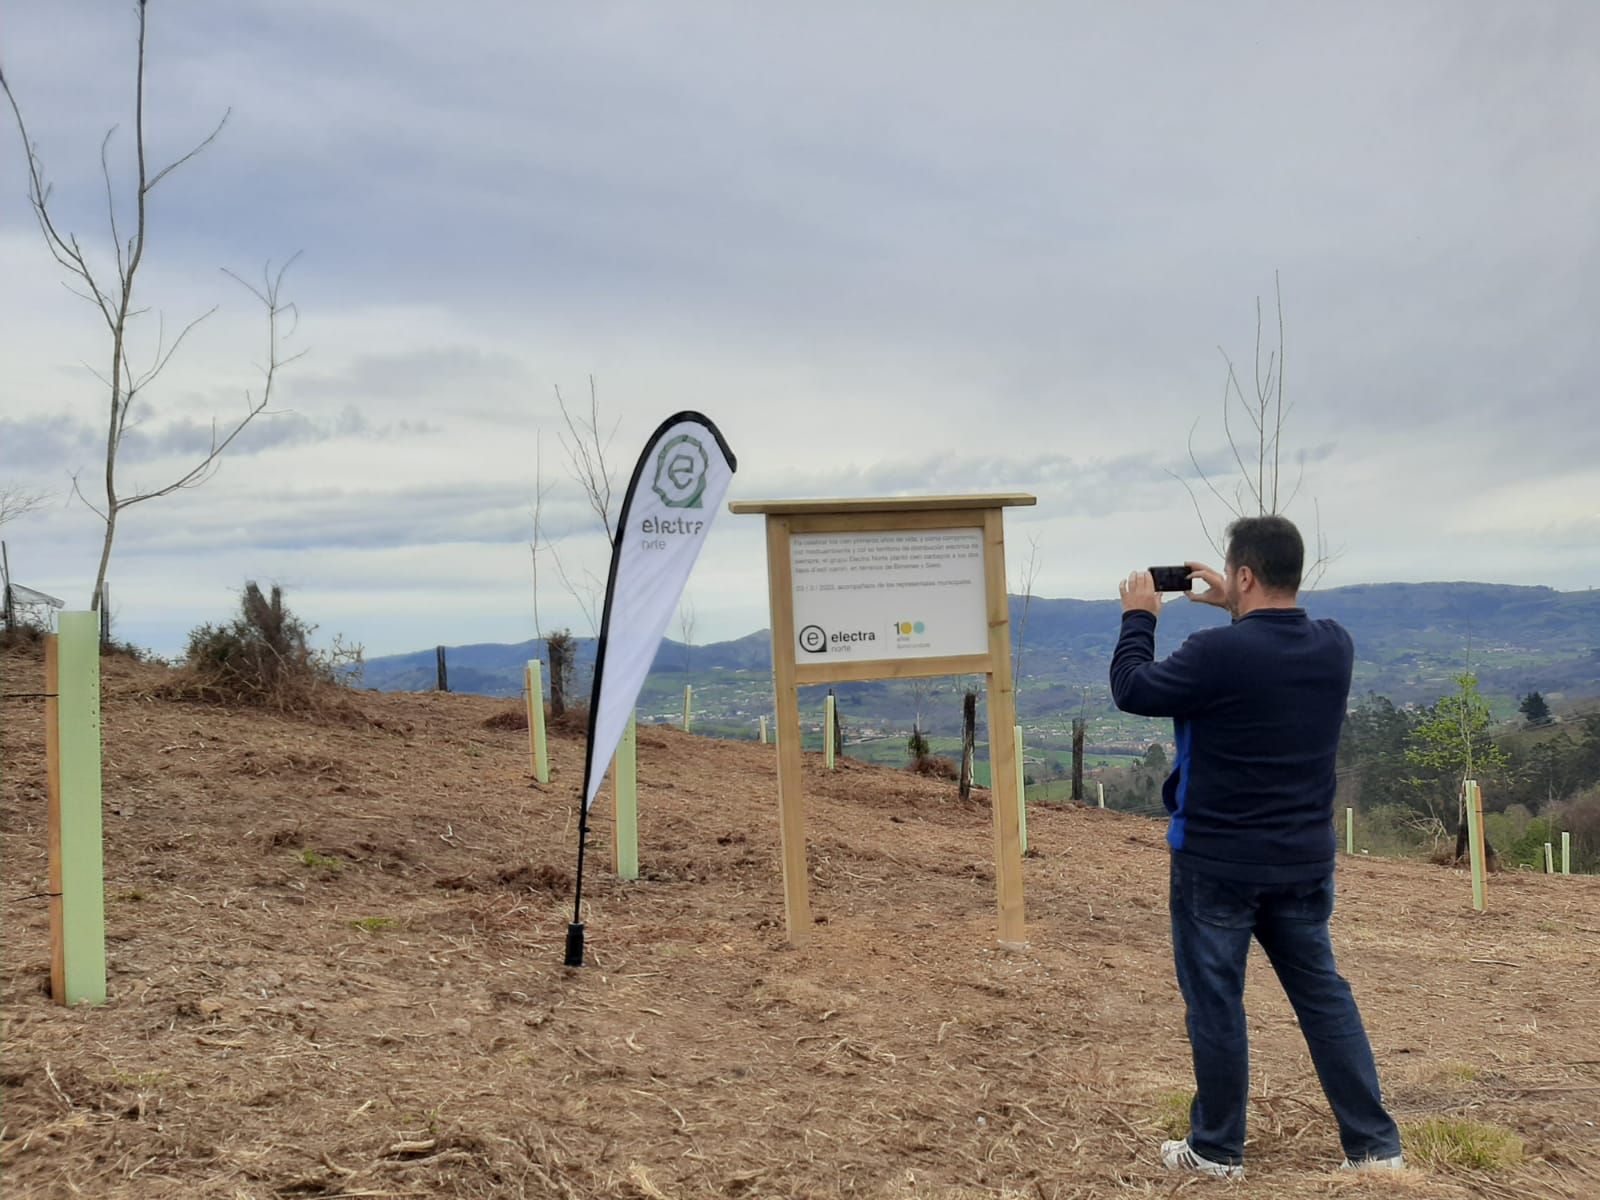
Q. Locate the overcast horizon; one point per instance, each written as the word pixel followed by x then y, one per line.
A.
pixel 917 249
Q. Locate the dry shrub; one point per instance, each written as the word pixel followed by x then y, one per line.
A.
pixel 511 718
pixel 934 767
pixel 572 723
pixel 263 658
pixel 24 635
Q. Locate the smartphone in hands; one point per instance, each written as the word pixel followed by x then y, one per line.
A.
pixel 1172 579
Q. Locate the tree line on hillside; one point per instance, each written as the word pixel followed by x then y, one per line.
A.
pixel 1401 768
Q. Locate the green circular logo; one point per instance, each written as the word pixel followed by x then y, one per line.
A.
pixel 681 472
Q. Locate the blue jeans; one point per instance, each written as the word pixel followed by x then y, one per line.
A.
pixel 1212 923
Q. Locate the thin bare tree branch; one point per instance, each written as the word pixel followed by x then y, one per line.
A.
pixel 1026 575
pixel 178 162
pixel 1268 414
pixel 118 308
pixel 270 296
pixel 537 545
pixel 17 501
pixel 586 449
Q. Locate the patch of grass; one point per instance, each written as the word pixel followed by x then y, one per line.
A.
pixel 140 1079
pixel 131 896
pixel 1472 1145
pixel 1170 1113
pixel 310 858
pixel 1445 1071
pixel 374 924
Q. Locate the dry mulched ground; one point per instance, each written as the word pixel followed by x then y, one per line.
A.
pixel 335 969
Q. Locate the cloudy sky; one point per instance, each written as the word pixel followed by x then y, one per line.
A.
pixel 922 248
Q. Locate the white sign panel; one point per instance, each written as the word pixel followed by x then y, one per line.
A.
pixel 902 594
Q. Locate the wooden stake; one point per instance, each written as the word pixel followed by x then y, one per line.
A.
pixel 1566 854
pixel 1549 859
pixel 625 781
pixel 829 716
pixel 1022 792
pixel 1349 831
pixel 72 765
pixel 1475 844
pixel 763 729
pixel 688 694
pixel 1078 725
pixel 538 748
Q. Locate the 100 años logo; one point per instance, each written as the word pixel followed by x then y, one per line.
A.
pixel 681 472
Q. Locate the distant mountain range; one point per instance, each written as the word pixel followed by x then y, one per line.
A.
pixel 1410 639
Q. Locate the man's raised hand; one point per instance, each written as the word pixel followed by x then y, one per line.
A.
pixel 1139 594
pixel 1216 590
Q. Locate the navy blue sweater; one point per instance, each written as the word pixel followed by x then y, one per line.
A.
pixel 1256 709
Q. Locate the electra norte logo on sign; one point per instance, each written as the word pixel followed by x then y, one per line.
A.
pixel 681 472
pixel 814 639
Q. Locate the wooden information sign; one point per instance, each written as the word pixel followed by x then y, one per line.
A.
pixel 898 588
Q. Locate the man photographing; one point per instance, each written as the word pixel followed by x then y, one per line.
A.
pixel 1257 708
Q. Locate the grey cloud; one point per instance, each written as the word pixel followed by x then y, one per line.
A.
pixel 68 444
pixel 364 519
pixel 437 374
pixel 28 444
pixel 1064 484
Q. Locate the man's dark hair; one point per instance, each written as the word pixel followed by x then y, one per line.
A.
pixel 1271 548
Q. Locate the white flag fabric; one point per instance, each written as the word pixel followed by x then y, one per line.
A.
pixel 677 487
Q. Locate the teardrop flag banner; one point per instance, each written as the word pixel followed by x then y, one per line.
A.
pixel 677 487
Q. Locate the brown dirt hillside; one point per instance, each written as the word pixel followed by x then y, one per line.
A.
pixel 335 956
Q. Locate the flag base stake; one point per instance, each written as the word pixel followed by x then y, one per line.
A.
pixel 575 944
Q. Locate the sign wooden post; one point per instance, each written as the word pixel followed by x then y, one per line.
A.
pixel 538 748
pixel 893 588
pixel 72 766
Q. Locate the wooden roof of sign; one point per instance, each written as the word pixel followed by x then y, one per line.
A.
pixel 886 504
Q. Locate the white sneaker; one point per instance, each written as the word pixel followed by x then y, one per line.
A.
pixel 1395 1162
pixel 1180 1156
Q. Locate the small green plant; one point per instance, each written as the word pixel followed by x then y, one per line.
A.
pixel 1470 1145
pixel 1170 1114
pixel 131 896
pixel 374 924
pixel 310 858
